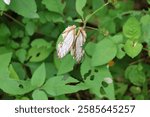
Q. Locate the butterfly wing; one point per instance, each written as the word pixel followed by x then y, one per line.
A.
pixel 7 1
pixel 68 39
pixel 80 40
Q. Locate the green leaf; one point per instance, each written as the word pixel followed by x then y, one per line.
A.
pixel 59 85
pixel 54 5
pixel 148 1
pixel 2 5
pixel 96 4
pixel 132 48
pixel 121 90
pixel 4 30
pixel 21 54
pixel 135 74
pixel 20 70
pixel 66 65
pixel 37 54
pixel 108 24
pixel 50 69
pixel 16 31
pixel 95 84
pixel 12 73
pixel 132 29
pixel 14 45
pixel 145 20
pixel 5 33
pixel 140 97
pixel 118 38
pixel 4 63
pixel 89 48
pixel 79 6
pixel 25 42
pixel 57 61
pixel 39 95
pixel 104 51
pixel 135 90
pixel 54 17
pixel 24 98
pixel 4 50
pixel 40 50
pixel 39 76
pixel 26 8
pixel 30 28
pixel 120 52
pixel 15 87
pixel 40 43
pixel 85 66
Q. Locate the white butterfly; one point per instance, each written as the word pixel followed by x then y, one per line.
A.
pixel 68 39
pixel 72 42
pixel 7 1
pixel 77 50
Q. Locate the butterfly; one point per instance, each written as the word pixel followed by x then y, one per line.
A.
pixel 72 43
pixel 7 1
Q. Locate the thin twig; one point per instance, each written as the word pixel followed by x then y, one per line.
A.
pixel 92 28
pixel 135 62
pixel 146 49
pixel 9 16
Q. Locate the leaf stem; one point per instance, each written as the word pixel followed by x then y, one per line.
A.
pixel 88 27
pixel 89 16
pixel 9 16
pixel 146 49
pixel 137 61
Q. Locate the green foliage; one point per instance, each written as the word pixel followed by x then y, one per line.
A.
pixel 4 62
pixel 135 74
pixel 24 8
pixel 104 51
pixel 59 85
pixel 66 65
pixel 115 64
pixel 79 6
pixel 148 1
pixel 132 48
pixel 132 29
pixel 39 95
pixel 39 51
pixel 39 76
pixel 54 5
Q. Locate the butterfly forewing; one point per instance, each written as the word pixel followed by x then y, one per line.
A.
pixel 7 1
pixel 78 49
pixel 68 40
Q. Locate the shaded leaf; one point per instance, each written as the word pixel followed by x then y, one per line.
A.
pixel 26 8
pixel 54 5
pixel 39 76
pixel 4 63
pixel 135 74
pixel 66 65
pixel 39 95
pixel 79 6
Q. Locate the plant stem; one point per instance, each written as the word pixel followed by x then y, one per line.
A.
pixel 146 49
pixel 89 16
pixel 137 61
pixel 135 12
pixel 88 27
pixel 9 16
